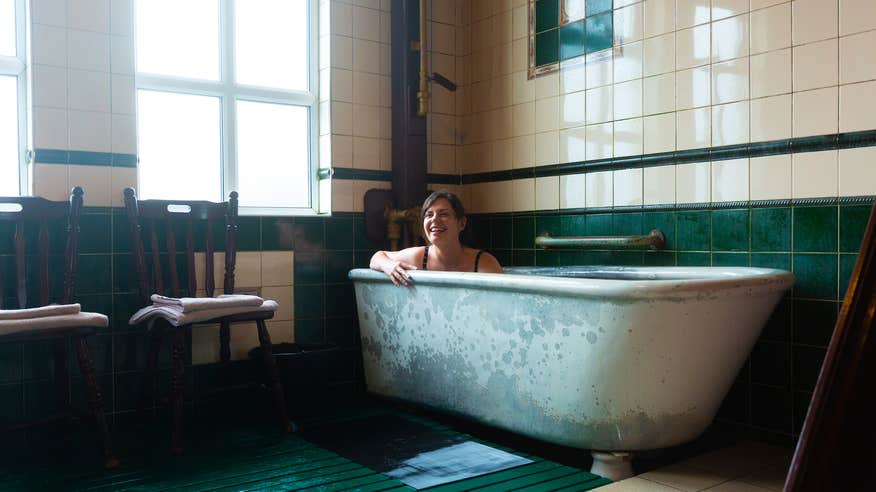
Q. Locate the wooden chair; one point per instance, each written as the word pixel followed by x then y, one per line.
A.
pixel 26 215
pixel 190 218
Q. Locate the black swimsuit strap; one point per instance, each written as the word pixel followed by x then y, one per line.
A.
pixel 425 257
pixel 478 258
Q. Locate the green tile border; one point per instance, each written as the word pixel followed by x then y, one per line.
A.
pixel 85 158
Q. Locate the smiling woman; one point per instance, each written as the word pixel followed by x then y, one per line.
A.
pixel 443 220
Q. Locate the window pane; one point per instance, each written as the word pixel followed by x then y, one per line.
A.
pixel 7 28
pixel 8 136
pixel 272 155
pixel 271 43
pixel 178 38
pixel 179 146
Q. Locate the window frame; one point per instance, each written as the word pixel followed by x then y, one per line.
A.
pixel 229 92
pixel 17 66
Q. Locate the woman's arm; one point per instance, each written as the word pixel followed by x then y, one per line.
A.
pixel 489 264
pixel 396 263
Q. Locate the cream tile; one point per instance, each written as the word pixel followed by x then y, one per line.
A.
pixel 730 180
pixel 815 174
pixel 523 119
pixel 49 128
pixel 771 73
pixel 628 62
pixel 90 130
pixel 572 191
pixel 813 20
pixel 248 272
pixel 771 118
pixel 693 12
pixel 629 24
pixel 693 183
pixel 693 47
pixel 49 86
pixel 771 28
pixel 816 65
pixel 659 54
pixel 503 154
pixel 49 45
pixel 519 54
pixel 341 18
pixel 730 123
pixel 659 94
pixel 572 109
pixel 816 112
pixel 659 132
pixel 769 478
pixel 277 268
pixel 547 193
pixel 659 185
pixel 857 107
pixel 856 16
pixel 600 105
pixel 728 8
pixel 547 114
pixel 737 486
pixel 500 195
pixel 547 86
pixel 659 17
pixel 366 153
pixel 88 50
pixel 50 182
pixel 730 81
pixel 599 69
pixel 519 22
pixel 524 151
pixel 342 151
pixel 762 4
pixel 283 296
pixel 694 128
pixel 365 87
pixel 366 56
pixel 547 148
pixel 740 459
pixel 573 144
pixel 205 344
pixel 629 137
pixel 637 484
pixel 599 141
pixel 342 52
pixel 856 58
pixel 342 195
pixel 96 181
pixel 599 189
pixel 693 88
pixel 857 174
pixel 730 38
pixel 683 477
pixel 628 99
pixel 627 187
pixel 89 91
pixel 122 177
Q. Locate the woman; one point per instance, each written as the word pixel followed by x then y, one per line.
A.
pixel 443 221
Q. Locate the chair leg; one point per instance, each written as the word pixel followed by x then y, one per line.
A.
pixel 273 378
pixel 95 401
pixel 146 410
pixel 176 389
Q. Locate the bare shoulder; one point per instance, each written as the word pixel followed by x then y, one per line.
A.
pixel 489 264
pixel 412 255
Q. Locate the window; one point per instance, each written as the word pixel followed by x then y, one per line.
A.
pixel 13 98
pixel 226 100
pixel 563 29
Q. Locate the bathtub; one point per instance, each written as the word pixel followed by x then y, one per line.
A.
pixel 609 359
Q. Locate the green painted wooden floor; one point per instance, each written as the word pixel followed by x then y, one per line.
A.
pixel 246 455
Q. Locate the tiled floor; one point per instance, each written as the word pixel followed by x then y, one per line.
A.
pixel 744 467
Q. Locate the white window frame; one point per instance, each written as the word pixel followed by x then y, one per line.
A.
pixel 228 92
pixel 18 67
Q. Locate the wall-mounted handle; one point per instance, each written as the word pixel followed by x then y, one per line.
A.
pixel 655 240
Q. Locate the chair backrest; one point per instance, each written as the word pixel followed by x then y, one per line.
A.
pixel 186 221
pixel 24 219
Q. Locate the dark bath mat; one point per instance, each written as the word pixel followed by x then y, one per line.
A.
pixel 411 452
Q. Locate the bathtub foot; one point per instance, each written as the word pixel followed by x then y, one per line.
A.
pixel 613 465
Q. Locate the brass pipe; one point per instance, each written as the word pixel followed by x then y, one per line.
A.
pixel 655 240
pixel 423 93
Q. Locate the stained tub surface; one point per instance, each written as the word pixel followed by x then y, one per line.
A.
pixel 606 358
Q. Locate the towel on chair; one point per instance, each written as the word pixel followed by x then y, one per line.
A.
pixel 191 304
pixel 39 312
pixel 11 326
pixel 175 315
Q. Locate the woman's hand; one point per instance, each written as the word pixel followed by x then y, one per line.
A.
pixel 395 264
pixel 398 271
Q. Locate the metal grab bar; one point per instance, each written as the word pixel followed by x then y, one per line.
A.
pixel 655 240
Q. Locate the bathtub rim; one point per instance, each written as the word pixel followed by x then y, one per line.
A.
pixel 702 281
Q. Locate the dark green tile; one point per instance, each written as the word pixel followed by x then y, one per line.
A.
pixel 101 348
pixel 771 408
pixel 600 35
pixel 130 351
pixel 778 326
pixel 361 240
pixel 658 258
pixel 129 390
pixel 780 261
pixel 362 259
pixel 694 230
pixel 771 364
pixel 547 47
pixel 502 233
pixel 599 225
pixel 278 234
pixel 816 275
pixel 94 274
pixel 625 258
pixel 309 233
pixel 771 229
pixel 814 322
pixel 801 407
pixel 249 233
pixel 524 232
pixel 547 258
pixel 479 229
pixel 807 365
pixel 523 257
pixel 11 402
pixel 627 224
pixel 736 406
pixel 338 264
pixel 340 300
pixel 572 40
pixel 552 224
pixel 847 267
pixel 10 362
pixel 730 259
pixel 596 6
pixel 547 14
pixel 124 273
pixel 504 256
pixel 124 306
pixel 339 233
pixel 815 229
pixel 95 234
pixel 309 301
pixel 570 258
pixel 730 230
pixel 663 222
pixel 309 268
pixel 693 259
pixel 78 396
pixel 342 332
pixel 572 225
pixel 309 331
pixel 853 223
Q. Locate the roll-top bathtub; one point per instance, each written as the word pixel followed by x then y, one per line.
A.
pixel 600 358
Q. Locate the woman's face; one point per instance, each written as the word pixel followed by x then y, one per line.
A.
pixel 440 222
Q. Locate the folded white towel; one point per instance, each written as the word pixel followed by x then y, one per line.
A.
pixel 39 312
pixel 11 326
pixel 191 304
pixel 176 317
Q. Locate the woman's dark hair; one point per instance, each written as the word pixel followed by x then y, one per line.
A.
pixel 455 203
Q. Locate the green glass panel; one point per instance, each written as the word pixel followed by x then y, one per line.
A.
pixel 597 6
pixel 815 229
pixel 547 15
pixel 599 32
pixel 547 47
pixel 572 40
